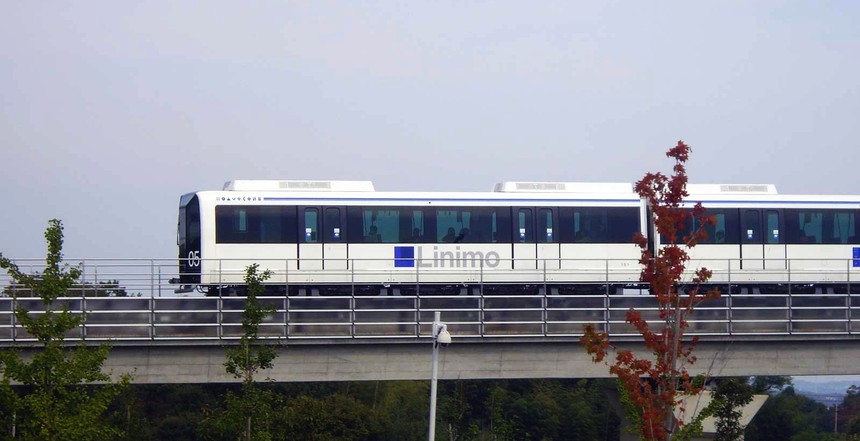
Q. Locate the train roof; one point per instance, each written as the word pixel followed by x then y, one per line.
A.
pixel 501 187
pixel 512 191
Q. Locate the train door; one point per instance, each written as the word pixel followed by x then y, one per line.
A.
pixel 752 246
pixel 536 244
pixel 546 235
pixel 334 239
pixel 310 239
pixel 525 248
pixel 774 242
pixel 322 238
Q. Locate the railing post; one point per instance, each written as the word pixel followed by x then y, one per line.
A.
pixel 12 318
pixel 481 276
pixel 220 303
pixel 606 304
pixel 544 303
pixel 417 279
pixel 416 315
pixel 482 329
pixel 790 323
pixel 151 275
pixel 96 284
pixel 287 314
pixel 84 315
pixel 352 315
pixel 606 297
pixel 729 310
pixel 286 277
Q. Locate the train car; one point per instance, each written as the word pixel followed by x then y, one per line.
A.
pixel 341 237
pixel 331 236
pixel 763 240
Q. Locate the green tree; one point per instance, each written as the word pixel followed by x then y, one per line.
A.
pixel 332 418
pixel 788 416
pixel 249 413
pixel 404 403
pixel 731 395
pixel 57 399
pixel 766 384
pixel 849 412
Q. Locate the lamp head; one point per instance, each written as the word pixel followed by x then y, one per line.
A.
pixel 442 336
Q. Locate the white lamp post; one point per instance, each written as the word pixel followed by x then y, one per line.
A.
pixel 440 337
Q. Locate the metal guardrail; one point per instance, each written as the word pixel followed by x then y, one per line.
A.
pixel 152 277
pixel 374 317
pixel 812 302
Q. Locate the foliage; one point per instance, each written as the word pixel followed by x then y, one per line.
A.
pixel 729 398
pixel 245 359
pixel 655 386
pixel 404 405
pixel 56 400
pixel 248 414
pixel 766 384
pixel 515 410
pixel 788 416
pixel 336 417
pixel 849 412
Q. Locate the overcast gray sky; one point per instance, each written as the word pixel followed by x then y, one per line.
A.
pixel 110 110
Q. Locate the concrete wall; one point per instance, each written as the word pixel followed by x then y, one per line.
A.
pixel 493 360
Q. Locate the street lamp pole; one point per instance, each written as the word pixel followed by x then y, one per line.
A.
pixel 440 337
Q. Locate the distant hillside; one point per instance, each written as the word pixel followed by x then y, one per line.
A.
pixel 824 389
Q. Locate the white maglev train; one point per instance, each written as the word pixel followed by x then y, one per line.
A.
pixel 339 237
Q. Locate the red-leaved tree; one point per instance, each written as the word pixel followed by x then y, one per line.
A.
pixel 653 386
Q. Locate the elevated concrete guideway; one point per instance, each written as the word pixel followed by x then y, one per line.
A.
pixel 799 328
pixel 488 360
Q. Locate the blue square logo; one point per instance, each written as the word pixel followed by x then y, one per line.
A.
pixel 856 257
pixel 404 257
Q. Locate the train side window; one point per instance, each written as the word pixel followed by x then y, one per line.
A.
pixel 821 226
pixel 843 227
pixel 501 225
pixel 254 224
pixel 598 224
pixel 466 225
pixel 725 227
pixel 380 224
pixel 621 224
pixel 231 224
pixel 417 224
pixel 241 220
pixel 751 230
pixel 523 229
pixel 388 225
pixel 311 226
pixel 804 226
pixel 589 225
